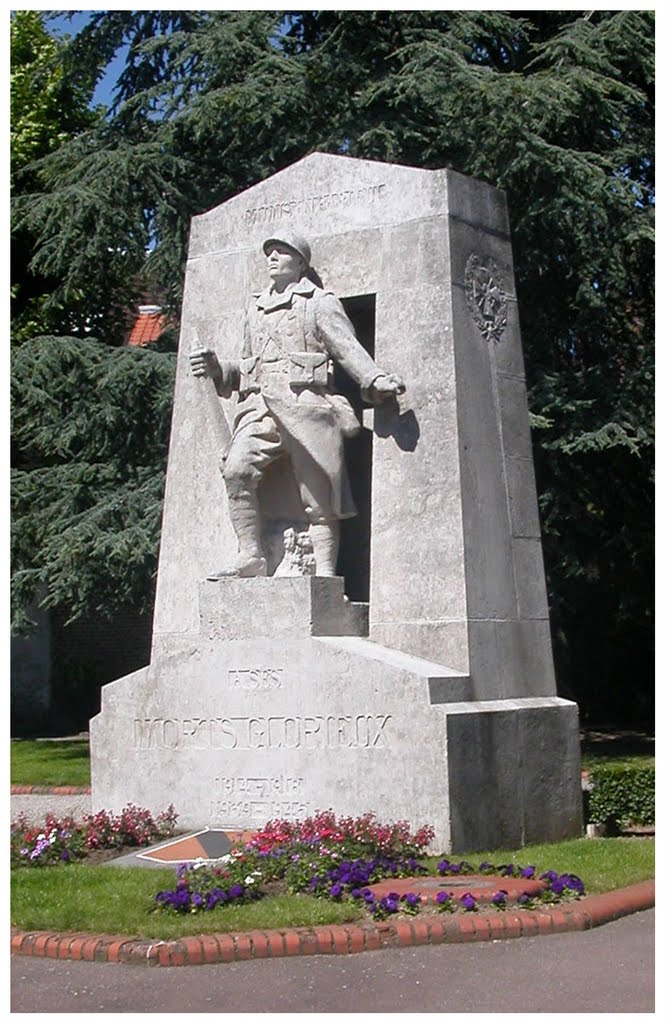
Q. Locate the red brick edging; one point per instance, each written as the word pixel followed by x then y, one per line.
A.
pixel 17 790
pixel 427 930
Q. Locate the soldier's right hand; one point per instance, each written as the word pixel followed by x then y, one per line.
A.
pixel 204 363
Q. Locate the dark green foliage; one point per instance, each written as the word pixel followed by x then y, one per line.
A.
pixel 90 433
pixel 622 795
pixel 49 104
pixel 555 107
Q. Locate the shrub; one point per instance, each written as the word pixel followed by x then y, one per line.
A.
pixel 622 795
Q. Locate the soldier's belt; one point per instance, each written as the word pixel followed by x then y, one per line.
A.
pixel 305 369
pixel 275 366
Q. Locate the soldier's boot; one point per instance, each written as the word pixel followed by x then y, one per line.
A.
pixel 325 539
pixel 244 515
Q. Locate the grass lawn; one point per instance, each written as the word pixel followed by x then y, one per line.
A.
pixel 50 763
pixel 603 864
pixel 592 761
pixel 104 899
pixel 79 897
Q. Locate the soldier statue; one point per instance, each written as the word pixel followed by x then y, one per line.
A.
pixel 287 406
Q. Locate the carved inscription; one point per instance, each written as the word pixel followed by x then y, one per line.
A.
pixel 312 204
pixel 261 797
pixel 307 732
pixel 255 678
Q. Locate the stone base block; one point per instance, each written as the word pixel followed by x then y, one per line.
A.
pixel 237 731
pixel 289 606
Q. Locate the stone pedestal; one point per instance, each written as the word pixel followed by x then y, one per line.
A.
pixel 242 727
pixel 435 701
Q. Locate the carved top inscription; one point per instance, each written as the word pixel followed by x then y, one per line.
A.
pixel 287 208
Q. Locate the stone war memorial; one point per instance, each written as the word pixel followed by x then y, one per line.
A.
pixel 351 608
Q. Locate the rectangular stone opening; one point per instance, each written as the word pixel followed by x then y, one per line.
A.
pixel 354 557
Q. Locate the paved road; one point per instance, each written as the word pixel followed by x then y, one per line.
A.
pixel 606 970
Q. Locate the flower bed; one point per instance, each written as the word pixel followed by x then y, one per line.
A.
pixel 341 860
pixel 62 840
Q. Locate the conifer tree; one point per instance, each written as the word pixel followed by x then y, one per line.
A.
pixel 49 103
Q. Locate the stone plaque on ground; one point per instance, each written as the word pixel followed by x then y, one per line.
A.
pixel 351 609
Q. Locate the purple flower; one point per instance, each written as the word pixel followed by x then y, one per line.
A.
pixel 197 899
pixel 528 872
pixel 335 891
pixel 468 901
pixel 574 883
pixel 214 897
pixel 499 899
pixel 507 870
pixel 64 855
pixel 442 897
pixel 443 866
pixel 524 898
pixel 235 891
pixel 557 886
pixel 368 896
pixel 411 899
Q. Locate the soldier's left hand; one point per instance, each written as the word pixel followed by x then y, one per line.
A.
pixel 387 385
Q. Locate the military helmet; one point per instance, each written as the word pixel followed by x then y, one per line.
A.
pixel 292 241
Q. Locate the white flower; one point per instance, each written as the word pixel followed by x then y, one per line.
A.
pixel 249 880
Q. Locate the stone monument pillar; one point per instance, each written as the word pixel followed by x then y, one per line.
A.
pixel 427 691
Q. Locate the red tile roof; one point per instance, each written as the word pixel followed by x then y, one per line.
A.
pixel 149 325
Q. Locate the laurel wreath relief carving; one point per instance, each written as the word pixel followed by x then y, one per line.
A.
pixel 486 297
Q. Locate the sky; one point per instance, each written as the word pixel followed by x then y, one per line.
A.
pixel 71 25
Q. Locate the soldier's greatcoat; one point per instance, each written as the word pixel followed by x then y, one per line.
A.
pixel 287 404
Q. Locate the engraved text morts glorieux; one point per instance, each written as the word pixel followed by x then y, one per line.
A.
pixel 238 732
pixel 349 617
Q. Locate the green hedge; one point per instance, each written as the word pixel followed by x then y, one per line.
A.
pixel 622 794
